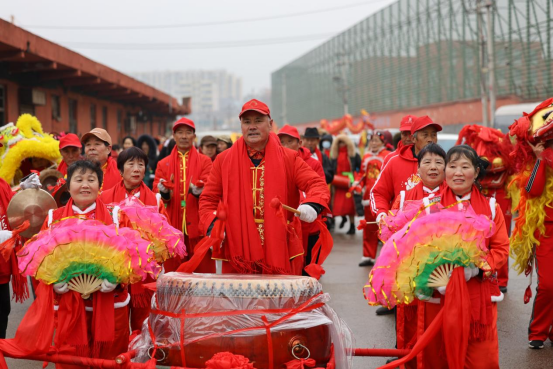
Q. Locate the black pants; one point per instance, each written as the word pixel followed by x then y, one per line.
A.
pixel 5 308
pixel 311 241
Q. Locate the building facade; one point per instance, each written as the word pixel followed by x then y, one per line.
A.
pixel 216 95
pixel 68 92
pixel 422 57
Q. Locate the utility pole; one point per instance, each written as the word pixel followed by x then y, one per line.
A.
pixel 342 81
pixel 491 61
pixel 284 120
pixel 481 53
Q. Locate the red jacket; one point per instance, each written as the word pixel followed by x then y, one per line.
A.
pixel 305 154
pixel 400 173
pixel 371 165
pixel 5 196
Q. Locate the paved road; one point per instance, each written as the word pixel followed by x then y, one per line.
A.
pixel 344 281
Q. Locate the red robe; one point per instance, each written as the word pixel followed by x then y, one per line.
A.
pixel 257 240
pixel 182 207
pixel 343 200
pixel 370 169
pixel 112 176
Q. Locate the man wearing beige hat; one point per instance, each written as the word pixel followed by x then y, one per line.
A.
pixel 97 148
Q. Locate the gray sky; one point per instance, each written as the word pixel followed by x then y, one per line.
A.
pixel 254 64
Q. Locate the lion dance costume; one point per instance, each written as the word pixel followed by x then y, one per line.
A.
pixel 531 242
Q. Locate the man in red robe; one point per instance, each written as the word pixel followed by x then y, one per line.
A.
pixel 290 138
pixel 97 147
pixel 70 150
pixel 179 179
pixel 246 179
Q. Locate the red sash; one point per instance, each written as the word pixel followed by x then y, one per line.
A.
pixel 119 193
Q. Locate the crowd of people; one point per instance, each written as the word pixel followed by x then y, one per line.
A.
pixel 214 183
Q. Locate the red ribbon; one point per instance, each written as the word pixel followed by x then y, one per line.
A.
pixel 300 364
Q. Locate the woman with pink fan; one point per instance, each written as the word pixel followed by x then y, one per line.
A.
pixel 465 229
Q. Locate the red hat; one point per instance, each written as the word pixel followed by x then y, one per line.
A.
pixel 184 122
pixel 257 106
pixel 406 123
pixel 423 122
pixel 70 139
pixel 289 131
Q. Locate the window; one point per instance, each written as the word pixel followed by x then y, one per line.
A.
pixel 2 105
pixel 72 116
pixel 56 109
pixel 105 118
pixel 92 116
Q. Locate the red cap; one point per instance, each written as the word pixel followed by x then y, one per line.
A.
pixel 70 139
pixel 289 131
pixel 423 122
pixel 257 106
pixel 184 122
pixel 406 123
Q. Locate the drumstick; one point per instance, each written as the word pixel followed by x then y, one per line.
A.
pixel 276 202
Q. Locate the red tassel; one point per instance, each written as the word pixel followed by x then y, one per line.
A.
pixel 7 246
pixel 527 295
pixel 228 360
pixel 362 224
pixel 300 364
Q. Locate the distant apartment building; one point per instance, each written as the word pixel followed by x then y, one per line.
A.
pixel 216 94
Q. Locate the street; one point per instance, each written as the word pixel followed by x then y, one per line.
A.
pixel 344 281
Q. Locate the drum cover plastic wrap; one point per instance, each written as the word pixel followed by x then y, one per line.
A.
pixel 209 293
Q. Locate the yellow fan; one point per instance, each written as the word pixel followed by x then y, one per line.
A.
pixel 440 275
pixel 85 284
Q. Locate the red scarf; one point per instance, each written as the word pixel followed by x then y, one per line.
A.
pixel 418 193
pixel 62 168
pixel 119 193
pixel 343 164
pixel 101 212
pixel 479 291
pixel 111 174
pixel 193 172
pixel 245 250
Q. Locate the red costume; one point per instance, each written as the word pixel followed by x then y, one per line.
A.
pixel 140 298
pixel 371 166
pixel 400 173
pixel 62 168
pixel 344 160
pixel 246 181
pixel 179 170
pixel 112 176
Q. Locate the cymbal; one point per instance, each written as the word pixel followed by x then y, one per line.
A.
pixel 30 204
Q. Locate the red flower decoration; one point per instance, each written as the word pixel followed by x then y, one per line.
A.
pixel 227 360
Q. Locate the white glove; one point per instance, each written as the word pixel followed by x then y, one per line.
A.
pixel 423 297
pixel 307 213
pixel 107 286
pixel 196 191
pixel 380 217
pixel 441 290
pixel 161 187
pixel 471 272
pixel 31 182
pixel 5 235
pixel 61 288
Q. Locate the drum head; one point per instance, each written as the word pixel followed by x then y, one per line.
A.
pixel 32 205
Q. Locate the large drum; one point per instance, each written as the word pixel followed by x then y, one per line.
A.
pixel 224 313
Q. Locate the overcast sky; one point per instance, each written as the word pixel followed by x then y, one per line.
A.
pixel 254 64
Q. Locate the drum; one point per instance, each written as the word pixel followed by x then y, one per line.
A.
pixel 341 181
pixel 245 298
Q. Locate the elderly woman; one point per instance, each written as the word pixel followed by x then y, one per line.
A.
pixel 132 164
pixel 109 310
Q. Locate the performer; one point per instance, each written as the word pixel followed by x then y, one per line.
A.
pixel 311 140
pixel 370 169
pixel 345 162
pixel 179 180
pixel 97 147
pixel 290 138
pixel 531 242
pixel 223 143
pixel 107 317
pixel 208 147
pixel 70 150
pixel 400 172
pixel 132 164
pixel 246 178
pixel 431 164
pixel 406 137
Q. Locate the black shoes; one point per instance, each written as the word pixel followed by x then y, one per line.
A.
pixel 385 311
pixel 343 222
pixel 351 229
pixel 365 261
pixel 503 289
pixel 535 344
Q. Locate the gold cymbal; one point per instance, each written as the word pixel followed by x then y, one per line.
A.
pixel 30 204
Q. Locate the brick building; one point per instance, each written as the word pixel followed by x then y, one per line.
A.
pixel 71 93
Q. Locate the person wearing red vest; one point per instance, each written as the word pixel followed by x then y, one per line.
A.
pixel 70 150
pixel 371 164
pixel 290 138
pixel 97 147
pixel 180 180
pixel 246 179
pixel 400 172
